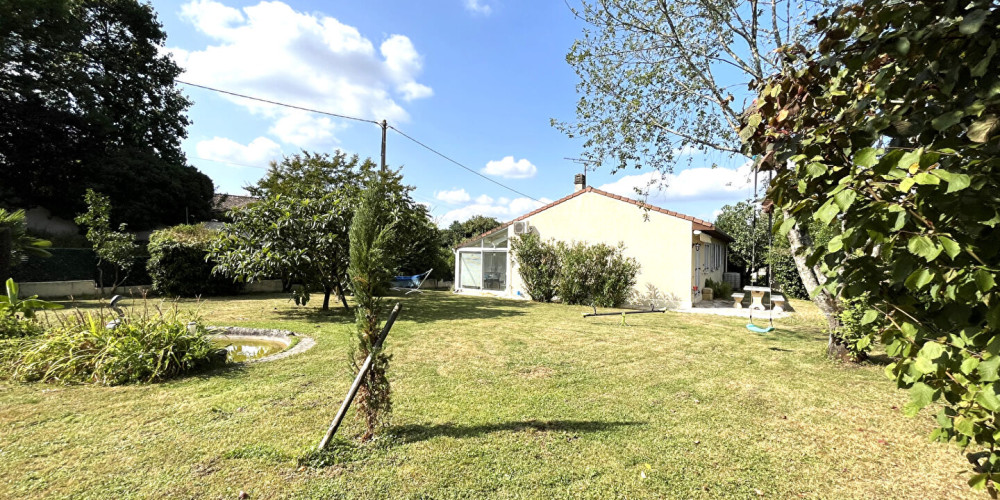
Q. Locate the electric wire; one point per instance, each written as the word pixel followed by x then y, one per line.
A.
pixel 276 103
pixel 442 155
pixel 365 120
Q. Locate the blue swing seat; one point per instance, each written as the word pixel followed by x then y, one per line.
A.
pixel 759 329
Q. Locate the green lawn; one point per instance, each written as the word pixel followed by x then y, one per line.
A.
pixel 493 398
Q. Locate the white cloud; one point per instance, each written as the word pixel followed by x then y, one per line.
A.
pixel 510 169
pixel 259 152
pixel 271 51
pixel 701 183
pixel 503 209
pixel 478 7
pixel 305 130
pixel 453 197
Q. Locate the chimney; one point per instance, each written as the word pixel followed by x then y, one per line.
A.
pixel 579 182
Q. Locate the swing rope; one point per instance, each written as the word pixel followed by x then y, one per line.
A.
pixel 753 265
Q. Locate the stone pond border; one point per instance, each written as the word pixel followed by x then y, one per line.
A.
pixel 305 343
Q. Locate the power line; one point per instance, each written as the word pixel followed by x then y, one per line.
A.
pixel 276 103
pixel 382 124
pixel 442 155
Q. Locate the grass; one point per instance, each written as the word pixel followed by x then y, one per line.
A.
pixel 493 398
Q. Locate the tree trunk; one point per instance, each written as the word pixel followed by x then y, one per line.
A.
pixel 812 278
pixel 6 255
pixel 327 290
pixel 341 294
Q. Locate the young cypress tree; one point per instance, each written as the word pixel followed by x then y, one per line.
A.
pixel 372 265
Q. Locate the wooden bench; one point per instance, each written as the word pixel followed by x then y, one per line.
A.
pixel 738 300
pixel 778 303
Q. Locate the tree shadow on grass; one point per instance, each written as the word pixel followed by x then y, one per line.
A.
pixel 427 307
pixel 420 432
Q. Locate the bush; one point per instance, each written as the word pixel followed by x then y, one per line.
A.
pixel 858 336
pixel 13 327
pixel 178 266
pixel 538 265
pixel 720 289
pixel 141 349
pixel 598 275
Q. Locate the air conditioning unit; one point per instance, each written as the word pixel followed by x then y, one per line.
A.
pixel 521 227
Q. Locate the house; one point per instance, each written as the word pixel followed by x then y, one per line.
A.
pixel 676 252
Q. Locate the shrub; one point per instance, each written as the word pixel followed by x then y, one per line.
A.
pixel 857 335
pixel 598 275
pixel 178 266
pixel 720 289
pixel 142 348
pixel 12 327
pixel 538 265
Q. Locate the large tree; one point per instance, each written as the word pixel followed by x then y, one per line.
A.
pixel 658 78
pixel 87 100
pixel 299 231
pixel 889 133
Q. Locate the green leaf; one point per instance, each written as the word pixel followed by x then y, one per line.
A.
pixel 827 212
pixel 931 350
pixel 919 279
pixel 978 481
pixel 11 289
pixel 903 46
pixel 988 369
pixel 972 22
pixel 816 169
pixel 988 398
pixel 956 182
pixel 950 246
pixel 909 159
pixel 835 244
pixel 786 226
pixel 947 120
pixel 984 280
pixel 870 316
pixel 866 157
pixel 845 198
pixel 924 178
pixel 965 425
pixel 925 365
pixel 982 129
pixel 969 365
pixel 924 247
pixel 921 395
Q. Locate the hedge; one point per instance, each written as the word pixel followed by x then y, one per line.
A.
pixel 178 265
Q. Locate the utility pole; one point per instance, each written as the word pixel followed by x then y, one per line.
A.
pixel 384 126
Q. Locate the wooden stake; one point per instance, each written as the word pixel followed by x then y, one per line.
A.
pixel 357 380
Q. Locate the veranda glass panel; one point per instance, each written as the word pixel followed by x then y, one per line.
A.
pixel 494 270
pixel 471 270
pixel 498 240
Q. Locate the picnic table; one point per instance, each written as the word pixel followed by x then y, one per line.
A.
pixel 757 296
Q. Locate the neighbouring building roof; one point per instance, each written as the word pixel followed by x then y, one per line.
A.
pixel 699 225
pixel 222 202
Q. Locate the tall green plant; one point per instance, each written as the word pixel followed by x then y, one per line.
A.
pixel 599 275
pixel 889 133
pixel 23 244
pixel 538 265
pixel 117 248
pixel 373 261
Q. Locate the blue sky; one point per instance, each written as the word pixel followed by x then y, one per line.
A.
pixel 478 80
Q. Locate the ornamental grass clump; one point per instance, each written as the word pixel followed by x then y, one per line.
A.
pixel 100 348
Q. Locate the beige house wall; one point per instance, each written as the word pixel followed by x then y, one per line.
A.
pixel 661 243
